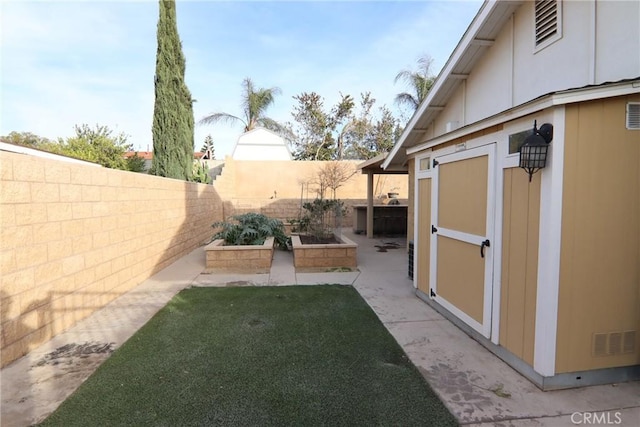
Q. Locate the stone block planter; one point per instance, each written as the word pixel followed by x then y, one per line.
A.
pixel 239 259
pixel 320 257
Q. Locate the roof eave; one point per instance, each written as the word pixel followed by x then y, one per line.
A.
pixel 447 76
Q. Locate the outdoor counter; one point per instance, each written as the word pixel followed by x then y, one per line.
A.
pixel 387 219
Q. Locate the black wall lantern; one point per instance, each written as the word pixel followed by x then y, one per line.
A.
pixel 533 153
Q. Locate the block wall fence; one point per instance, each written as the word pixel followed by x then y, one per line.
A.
pixel 74 237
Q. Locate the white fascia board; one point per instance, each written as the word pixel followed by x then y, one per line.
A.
pixel 483 124
pixel 481 17
pixel 19 149
pixel 590 93
pixel 559 98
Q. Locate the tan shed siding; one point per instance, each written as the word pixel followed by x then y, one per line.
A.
pixel 520 230
pixel 423 252
pixel 600 257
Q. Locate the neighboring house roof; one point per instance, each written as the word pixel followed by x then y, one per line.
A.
pixel 148 155
pixel 261 144
pixel 478 38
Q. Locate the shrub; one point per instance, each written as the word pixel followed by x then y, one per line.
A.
pixel 250 229
pixel 200 173
pixel 320 218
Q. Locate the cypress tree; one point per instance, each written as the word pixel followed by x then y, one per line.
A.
pixel 173 110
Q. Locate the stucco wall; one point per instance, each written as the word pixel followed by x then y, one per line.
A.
pixel 75 237
pixel 277 188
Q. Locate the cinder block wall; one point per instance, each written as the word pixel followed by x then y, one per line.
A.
pixel 75 237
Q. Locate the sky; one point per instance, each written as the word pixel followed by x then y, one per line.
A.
pixel 65 63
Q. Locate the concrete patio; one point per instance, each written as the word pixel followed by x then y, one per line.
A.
pixel 477 387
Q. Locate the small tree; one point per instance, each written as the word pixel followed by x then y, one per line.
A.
pixel 208 149
pixel 323 215
pixel 318 133
pixel 332 176
pixel 97 145
pixel 136 163
pixel 200 172
pixel 26 139
pixel 371 134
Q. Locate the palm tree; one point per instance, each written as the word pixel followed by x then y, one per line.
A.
pixel 255 102
pixel 420 82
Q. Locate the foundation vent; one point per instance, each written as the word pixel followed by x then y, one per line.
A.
pixel 599 344
pixel 629 342
pixel 633 115
pixel 614 343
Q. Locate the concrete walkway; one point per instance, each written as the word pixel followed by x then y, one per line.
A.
pixel 477 387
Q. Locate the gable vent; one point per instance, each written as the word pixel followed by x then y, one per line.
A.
pixel 546 20
pixel 633 115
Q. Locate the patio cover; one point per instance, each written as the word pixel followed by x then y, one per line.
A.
pixel 373 167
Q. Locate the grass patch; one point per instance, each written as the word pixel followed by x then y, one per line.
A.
pixel 298 355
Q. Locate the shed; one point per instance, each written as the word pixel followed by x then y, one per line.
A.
pixel 543 272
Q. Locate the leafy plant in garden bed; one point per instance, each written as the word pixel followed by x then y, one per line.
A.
pixel 319 220
pixel 250 229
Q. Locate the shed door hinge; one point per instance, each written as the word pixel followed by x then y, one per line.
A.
pixel 433 229
pixel 435 163
pixel 431 293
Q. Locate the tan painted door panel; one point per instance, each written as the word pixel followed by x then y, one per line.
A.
pixel 461 273
pixel 422 255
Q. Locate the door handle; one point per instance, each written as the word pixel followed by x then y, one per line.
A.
pixel 486 243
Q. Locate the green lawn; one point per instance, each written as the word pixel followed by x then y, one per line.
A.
pixel 256 356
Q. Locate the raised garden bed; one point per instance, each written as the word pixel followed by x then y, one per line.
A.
pixel 322 256
pixel 239 259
